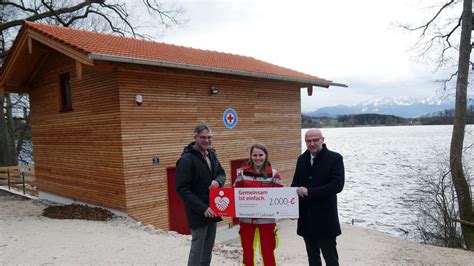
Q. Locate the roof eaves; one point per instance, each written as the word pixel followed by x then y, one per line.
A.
pixel 34 27
pixel 123 59
pixel 60 46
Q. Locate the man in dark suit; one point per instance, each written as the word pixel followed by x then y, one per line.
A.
pixel 319 176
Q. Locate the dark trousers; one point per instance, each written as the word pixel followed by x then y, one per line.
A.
pixel 201 245
pixel 327 247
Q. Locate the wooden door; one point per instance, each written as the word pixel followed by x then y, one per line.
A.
pixel 177 216
pixel 236 167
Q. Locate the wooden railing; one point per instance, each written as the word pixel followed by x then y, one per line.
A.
pixel 21 177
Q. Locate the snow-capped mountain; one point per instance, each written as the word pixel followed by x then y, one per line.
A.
pixel 400 106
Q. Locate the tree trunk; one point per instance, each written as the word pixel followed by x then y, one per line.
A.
pixel 7 138
pixel 3 136
pixel 455 157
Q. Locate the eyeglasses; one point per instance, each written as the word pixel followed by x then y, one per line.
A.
pixel 316 140
pixel 205 137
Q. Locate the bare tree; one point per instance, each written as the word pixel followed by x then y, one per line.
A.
pixel 432 37
pixel 126 18
pixel 437 206
pixel 461 185
pixel 7 141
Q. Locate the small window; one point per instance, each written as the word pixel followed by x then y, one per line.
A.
pixel 66 99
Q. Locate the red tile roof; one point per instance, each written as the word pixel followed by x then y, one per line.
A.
pixel 116 46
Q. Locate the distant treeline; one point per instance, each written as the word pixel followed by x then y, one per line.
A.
pixel 445 117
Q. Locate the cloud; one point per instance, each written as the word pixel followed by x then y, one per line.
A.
pixel 353 42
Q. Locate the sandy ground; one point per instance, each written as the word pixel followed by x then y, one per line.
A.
pixel 26 237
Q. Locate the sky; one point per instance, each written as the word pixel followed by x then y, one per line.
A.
pixel 358 43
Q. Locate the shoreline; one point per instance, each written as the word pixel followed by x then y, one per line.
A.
pixel 30 238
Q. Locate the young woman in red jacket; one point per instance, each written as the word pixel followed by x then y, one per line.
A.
pixel 258 173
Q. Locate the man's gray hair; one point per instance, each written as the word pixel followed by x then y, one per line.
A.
pixel 199 128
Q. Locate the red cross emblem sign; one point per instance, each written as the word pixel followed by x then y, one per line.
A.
pixel 230 118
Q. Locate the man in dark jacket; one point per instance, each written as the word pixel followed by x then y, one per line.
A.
pixel 319 176
pixel 197 171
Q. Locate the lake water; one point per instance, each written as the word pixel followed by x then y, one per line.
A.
pixel 381 165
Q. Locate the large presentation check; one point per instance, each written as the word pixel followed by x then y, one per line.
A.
pixel 255 202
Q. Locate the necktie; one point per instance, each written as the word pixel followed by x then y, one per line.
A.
pixel 206 156
pixel 313 162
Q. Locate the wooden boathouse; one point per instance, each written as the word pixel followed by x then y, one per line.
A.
pixel 111 115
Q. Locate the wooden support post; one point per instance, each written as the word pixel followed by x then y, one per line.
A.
pixel 310 90
pixel 30 46
pixel 8 175
pixel 23 179
pixel 78 70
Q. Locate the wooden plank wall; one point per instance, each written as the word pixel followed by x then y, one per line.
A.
pixel 86 154
pixel 78 154
pixel 174 101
